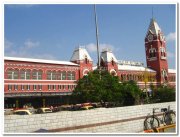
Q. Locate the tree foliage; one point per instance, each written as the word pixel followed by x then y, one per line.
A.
pixel 163 94
pixel 104 87
pixel 131 93
pixel 97 87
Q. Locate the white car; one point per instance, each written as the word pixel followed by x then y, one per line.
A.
pixel 43 110
pixel 22 112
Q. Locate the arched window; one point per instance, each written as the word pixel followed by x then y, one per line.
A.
pixel 28 74
pixel 128 77
pixel 112 62
pixel 73 75
pixel 34 74
pixel 25 74
pixel 163 52
pixel 134 77
pixel 59 75
pixel 125 77
pixel 139 78
pixel 152 52
pixel 40 74
pixel 22 74
pixel 10 74
pixel 64 75
pixel 37 74
pixel 86 60
pixel 48 75
pixel 16 74
pixel 53 75
pixel 164 74
pixel 69 75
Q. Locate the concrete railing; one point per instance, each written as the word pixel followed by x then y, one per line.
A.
pixel 100 120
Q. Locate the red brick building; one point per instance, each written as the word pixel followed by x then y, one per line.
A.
pixel 46 82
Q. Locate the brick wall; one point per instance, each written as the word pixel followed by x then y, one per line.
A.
pixel 101 120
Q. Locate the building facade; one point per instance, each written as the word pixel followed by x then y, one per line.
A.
pixel 45 82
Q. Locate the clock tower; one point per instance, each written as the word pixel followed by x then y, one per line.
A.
pixel 156 54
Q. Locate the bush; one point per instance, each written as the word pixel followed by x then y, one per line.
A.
pixel 163 94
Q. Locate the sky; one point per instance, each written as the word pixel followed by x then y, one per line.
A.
pixel 54 31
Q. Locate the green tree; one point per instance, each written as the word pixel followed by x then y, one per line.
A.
pixel 93 88
pixel 164 94
pixel 131 93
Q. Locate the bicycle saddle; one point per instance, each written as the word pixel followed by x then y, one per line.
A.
pixel 163 109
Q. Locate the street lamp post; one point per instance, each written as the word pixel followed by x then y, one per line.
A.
pixel 97 41
pixel 97 34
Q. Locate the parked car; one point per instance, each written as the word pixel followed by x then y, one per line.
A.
pixel 32 110
pixel 86 107
pixel 8 111
pixel 65 107
pixel 22 112
pixel 43 110
pixel 76 107
pixel 96 105
pixel 55 109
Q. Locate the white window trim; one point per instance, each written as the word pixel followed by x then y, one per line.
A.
pixel 13 75
pixel 54 87
pixel 28 87
pixel 34 87
pixel 40 87
pixel 15 87
pixel 49 87
pixel 9 87
pixel 22 87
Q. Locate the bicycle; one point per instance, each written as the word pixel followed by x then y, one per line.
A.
pixel 153 122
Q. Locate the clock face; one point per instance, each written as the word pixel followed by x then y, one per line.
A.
pixel 150 37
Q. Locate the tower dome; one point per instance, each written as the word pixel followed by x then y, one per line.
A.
pixel 80 54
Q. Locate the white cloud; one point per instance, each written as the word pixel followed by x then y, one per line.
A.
pixel 171 37
pixel 27 50
pixel 30 44
pixel 8 44
pixel 170 54
pixel 93 47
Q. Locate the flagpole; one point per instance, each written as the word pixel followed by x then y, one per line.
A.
pixel 97 39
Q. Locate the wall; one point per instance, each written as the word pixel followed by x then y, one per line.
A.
pixel 101 120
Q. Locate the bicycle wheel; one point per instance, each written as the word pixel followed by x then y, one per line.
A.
pixel 170 118
pixel 151 123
